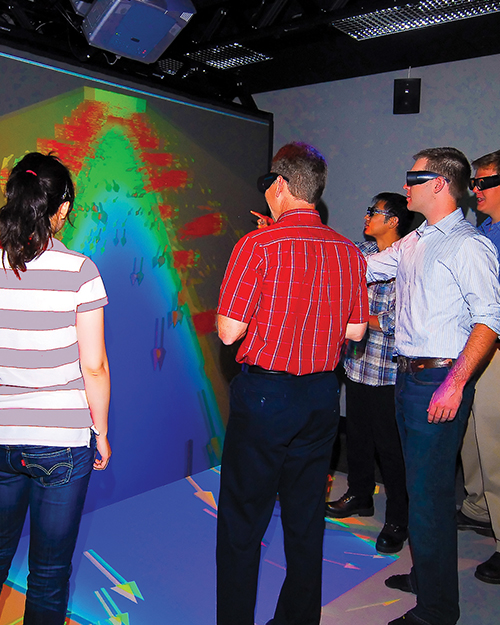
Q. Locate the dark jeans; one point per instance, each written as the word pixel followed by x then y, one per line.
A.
pixel 279 439
pixel 371 429
pixel 430 451
pixel 52 482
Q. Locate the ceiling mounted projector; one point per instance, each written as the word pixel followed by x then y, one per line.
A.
pixel 136 29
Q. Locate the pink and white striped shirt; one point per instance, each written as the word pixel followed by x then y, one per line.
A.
pixel 41 382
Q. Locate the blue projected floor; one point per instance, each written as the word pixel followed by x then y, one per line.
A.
pixel 151 559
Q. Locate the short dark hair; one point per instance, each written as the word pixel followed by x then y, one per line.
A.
pixel 305 169
pixel 493 158
pixel 452 164
pixel 396 205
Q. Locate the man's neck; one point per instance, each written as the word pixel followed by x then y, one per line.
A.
pixel 495 215
pixel 386 240
pixel 287 206
pixel 440 212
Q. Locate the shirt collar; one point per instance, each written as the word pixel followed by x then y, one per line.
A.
pixel 488 225
pixel 300 214
pixel 444 225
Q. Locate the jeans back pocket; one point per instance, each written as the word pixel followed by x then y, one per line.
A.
pixel 50 468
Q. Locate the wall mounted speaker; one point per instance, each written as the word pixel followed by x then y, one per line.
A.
pixel 406 96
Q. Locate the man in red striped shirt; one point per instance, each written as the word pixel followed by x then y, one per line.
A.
pixel 294 292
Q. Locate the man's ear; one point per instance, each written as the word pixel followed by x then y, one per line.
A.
pixel 439 184
pixel 280 185
pixel 393 221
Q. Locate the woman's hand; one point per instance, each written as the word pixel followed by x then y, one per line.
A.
pixel 104 451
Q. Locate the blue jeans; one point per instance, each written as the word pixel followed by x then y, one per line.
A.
pixel 430 451
pixel 52 482
pixel 279 439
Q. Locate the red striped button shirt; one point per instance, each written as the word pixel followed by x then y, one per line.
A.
pixel 297 284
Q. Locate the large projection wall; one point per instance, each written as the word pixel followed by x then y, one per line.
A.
pixel 164 190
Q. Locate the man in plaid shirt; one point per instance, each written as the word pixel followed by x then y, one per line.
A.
pixel 293 292
pixel 370 379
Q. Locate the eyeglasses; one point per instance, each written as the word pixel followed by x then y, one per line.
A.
pixel 265 181
pixel 485 182
pixel 421 177
pixel 373 210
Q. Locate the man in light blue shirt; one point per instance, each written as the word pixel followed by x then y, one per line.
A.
pixel 447 319
pixel 481 508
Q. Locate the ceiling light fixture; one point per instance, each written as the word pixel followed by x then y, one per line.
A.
pixel 169 66
pixel 401 19
pixel 228 57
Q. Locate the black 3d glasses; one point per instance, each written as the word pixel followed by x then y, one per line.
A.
pixel 265 181
pixel 421 177
pixel 485 182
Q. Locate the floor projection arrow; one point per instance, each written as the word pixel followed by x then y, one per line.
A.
pixel 129 590
pixel 346 565
pixel 336 522
pixel 365 555
pixel 205 495
pixel 373 605
pixel 119 618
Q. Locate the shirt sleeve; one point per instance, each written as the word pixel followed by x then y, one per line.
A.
pixel 477 269
pixel 387 318
pixel 360 309
pixel 91 294
pixel 384 264
pixel 242 283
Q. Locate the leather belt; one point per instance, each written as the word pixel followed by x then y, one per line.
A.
pixel 406 365
pixel 262 371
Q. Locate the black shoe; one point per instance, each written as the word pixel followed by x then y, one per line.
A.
pixel 489 571
pixel 391 539
pixel 348 505
pixel 399 582
pixel 406 619
pixel 466 523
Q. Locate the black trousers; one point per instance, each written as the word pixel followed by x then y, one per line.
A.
pixel 279 439
pixel 372 430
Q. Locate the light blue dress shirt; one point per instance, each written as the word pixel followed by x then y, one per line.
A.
pixel 492 231
pixel 446 282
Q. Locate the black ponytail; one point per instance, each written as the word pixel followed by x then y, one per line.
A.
pixel 36 187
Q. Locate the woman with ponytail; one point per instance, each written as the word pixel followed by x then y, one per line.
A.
pixel 54 382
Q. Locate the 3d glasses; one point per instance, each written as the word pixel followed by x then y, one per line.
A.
pixel 373 210
pixel 485 182
pixel 421 177
pixel 265 181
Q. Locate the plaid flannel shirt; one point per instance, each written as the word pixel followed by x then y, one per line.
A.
pixel 369 361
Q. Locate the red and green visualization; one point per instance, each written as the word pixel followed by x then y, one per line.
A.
pixel 146 214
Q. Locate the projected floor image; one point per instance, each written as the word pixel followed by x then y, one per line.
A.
pixel 151 559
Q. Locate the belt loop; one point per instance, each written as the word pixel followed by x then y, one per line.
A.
pixel 402 363
pixel 244 367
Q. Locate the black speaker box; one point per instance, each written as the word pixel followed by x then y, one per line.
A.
pixel 406 96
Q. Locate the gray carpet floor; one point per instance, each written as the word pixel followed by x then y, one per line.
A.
pixel 372 603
